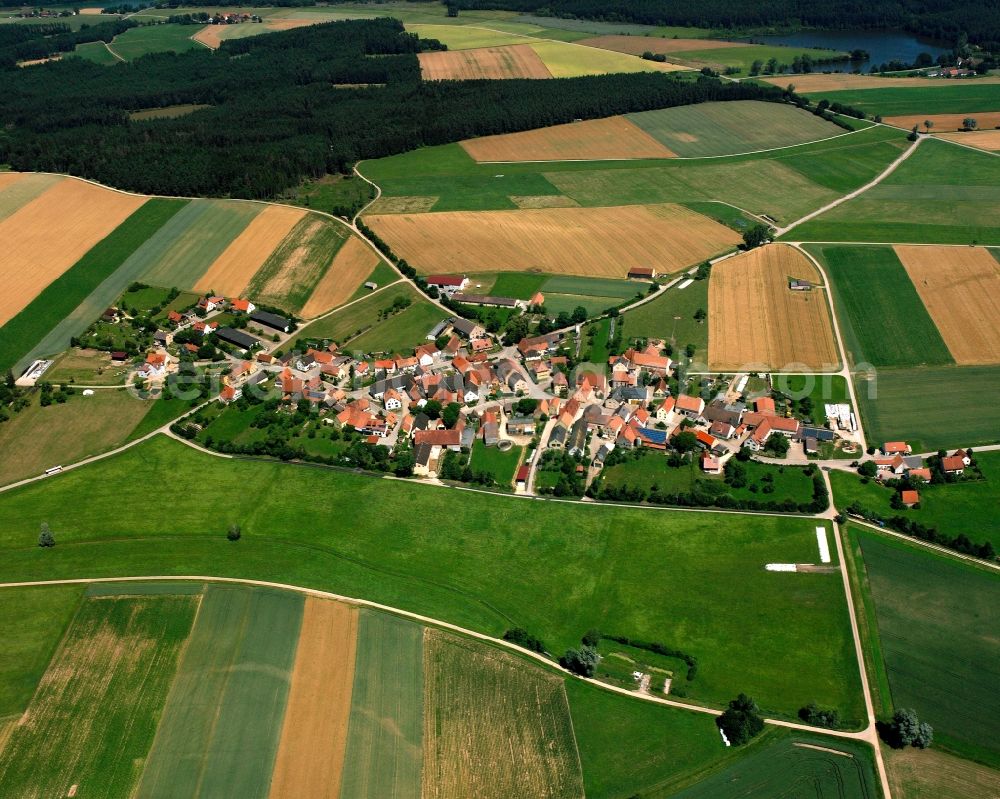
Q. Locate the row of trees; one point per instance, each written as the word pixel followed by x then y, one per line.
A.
pixel 273 119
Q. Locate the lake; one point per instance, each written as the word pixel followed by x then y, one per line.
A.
pixel 883 46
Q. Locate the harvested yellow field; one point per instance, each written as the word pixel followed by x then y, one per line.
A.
pixel 511 61
pixel 983 139
pixel 51 233
pixel 842 80
pixel 591 139
pixel 7 178
pixel 499 728
pixel 637 45
pixel 239 262
pixel 603 242
pixel 960 287
pixel 353 263
pixel 931 772
pixel 310 755
pixel 944 123
pixel 755 322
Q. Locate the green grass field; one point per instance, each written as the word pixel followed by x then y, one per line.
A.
pixel 931 407
pixel 137 42
pixel 593 287
pixel 363 316
pixel 671 318
pixel 402 332
pixel 954 508
pixel 28 648
pixel 68 305
pixel 385 733
pixel 779 765
pixel 24 190
pixel 496 726
pixel 651 469
pixel 943 194
pixel 305 253
pixel 502 465
pixel 694 131
pixel 220 727
pixel 882 318
pixel 181 251
pixel 792 641
pixel 785 184
pixel 819 388
pixel 37 438
pixel 742 58
pixel 95 713
pixel 940 640
pixel 937 98
pixel 96 52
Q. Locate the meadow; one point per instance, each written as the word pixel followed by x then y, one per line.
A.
pixel 795 645
pixel 37 438
pixel 137 42
pixel 756 322
pixel 402 332
pixel 498 726
pixel 882 318
pixel 958 97
pixel 709 129
pixel 385 734
pixel 801 763
pixel 954 508
pixel 365 315
pixel 110 676
pixel 68 305
pixel 222 720
pixel 670 317
pixel 784 184
pixel 502 465
pixel 98 53
pixel 931 407
pixel 933 774
pixel 942 653
pixel 943 194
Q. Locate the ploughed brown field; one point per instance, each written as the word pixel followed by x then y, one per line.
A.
pixel 310 755
pixel 603 242
pixel 592 139
pixel 354 261
pixel 637 45
pixel 756 322
pixel 960 287
pixel 48 235
pixel 511 61
pixel 983 139
pixel 239 262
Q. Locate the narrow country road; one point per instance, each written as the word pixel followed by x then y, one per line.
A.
pixel 850 196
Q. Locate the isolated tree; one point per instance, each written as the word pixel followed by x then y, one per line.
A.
pixel 234 533
pixel 45 537
pixel 579 314
pixel 741 721
pixel 777 445
pixel 699 315
pixel 868 469
pixel 928 124
pixel 813 714
pixel 755 236
pixel 582 661
pixel 404 464
pixel 906 729
pixel 913 133
pixel 970 123
pixel 684 442
pixel 450 414
pixel 591 638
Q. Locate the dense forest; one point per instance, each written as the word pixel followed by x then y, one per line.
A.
pixel 29 42
pixel 287 106
pixel 939 19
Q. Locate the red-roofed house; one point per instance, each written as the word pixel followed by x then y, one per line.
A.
pixel 243 306
pixel 953 464
pixel 449 284
pixel 910 498
pixel 691 407
pixel 710 464
pixel 764 405
pixel 896 448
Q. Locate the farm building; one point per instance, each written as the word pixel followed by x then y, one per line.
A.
pixel 242 341
pixel 449 284
pixel 272 320
pixel 485 299
pixel 467 328
pixel 800 285
pixel 641 273
pixel 910 498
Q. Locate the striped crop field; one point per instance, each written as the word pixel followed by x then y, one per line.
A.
pixel 223 716
pixel 384 743
pixel 95 712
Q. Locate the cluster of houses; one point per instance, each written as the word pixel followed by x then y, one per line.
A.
pixel 895 459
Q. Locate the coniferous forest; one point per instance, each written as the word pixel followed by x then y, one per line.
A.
pixel 289 105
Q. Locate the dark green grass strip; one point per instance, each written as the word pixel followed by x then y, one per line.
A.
pixel 385 738
pixel 971 97
pixel 940 636
pixel 44 316
pixel 886 322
